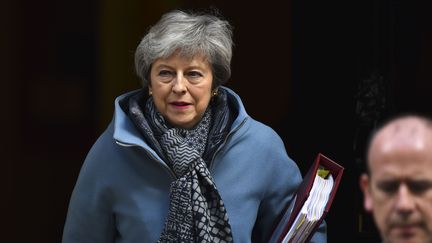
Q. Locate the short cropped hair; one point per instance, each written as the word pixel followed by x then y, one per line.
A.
pixel 424 118
pixel 189 34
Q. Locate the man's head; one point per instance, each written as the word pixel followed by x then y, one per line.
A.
pixel 398 188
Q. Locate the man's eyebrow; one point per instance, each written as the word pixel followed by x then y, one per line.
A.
pixel 411 183
pixel 419 182
pixel 388 185
pixel 416 186
pixel 388 181
pixel 407 180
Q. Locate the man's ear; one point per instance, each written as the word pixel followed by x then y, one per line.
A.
pixel 365 187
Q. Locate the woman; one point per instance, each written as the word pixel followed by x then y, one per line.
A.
pixel 182 161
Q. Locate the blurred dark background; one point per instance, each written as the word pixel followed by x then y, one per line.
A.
pixel 321 73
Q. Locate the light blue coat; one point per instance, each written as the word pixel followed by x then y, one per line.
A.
pixel 121 194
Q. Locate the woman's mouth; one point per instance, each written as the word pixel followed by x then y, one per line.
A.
pixel 180 104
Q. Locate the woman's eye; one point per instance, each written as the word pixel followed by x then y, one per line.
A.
pixel 165 73
pixel 194 74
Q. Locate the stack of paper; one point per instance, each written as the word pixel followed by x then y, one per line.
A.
pixel 311 211
pixel 311 202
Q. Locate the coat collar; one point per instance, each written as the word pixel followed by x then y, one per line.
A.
pixel 126 134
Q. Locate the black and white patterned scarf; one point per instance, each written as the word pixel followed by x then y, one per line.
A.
pixel 196 211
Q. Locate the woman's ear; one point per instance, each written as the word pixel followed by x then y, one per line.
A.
pixel 367 197
pixel 150 91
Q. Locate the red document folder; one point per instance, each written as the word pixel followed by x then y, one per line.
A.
pixel 293 209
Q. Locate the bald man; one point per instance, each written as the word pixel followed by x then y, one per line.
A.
pixel 398 188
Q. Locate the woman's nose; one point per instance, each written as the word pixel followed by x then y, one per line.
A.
pixel 179 84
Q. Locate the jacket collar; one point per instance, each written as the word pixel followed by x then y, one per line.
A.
pixel 125 132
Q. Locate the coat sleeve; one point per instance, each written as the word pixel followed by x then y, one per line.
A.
pixel 283 178
pixel 89 218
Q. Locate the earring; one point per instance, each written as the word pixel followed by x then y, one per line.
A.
pixel 215 92
pixel 150 93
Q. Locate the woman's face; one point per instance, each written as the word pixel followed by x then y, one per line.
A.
pixel 181 88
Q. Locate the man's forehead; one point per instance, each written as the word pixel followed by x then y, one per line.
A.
pixel 406 168
pixel 407 133
pixel 404 128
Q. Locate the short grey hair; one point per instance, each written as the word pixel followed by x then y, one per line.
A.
pixel 190 34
